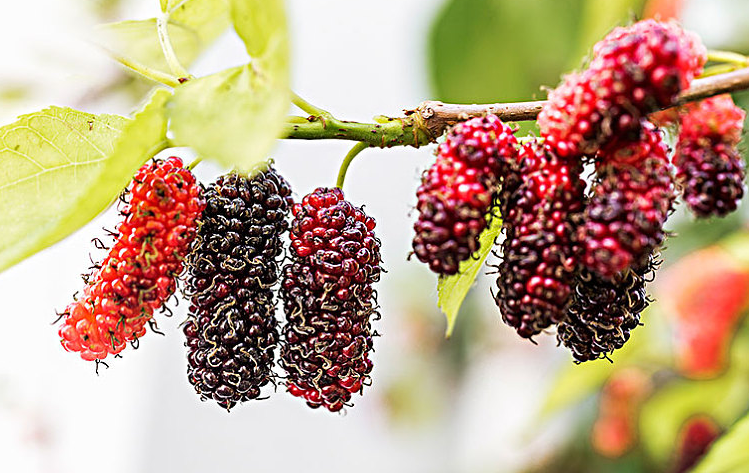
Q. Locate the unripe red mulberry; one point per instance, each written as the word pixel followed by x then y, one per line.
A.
pixel 138 275
pixel 631 200
pixel 458 191
pixel 232 330
pixel 539 253
pixel 329 300
pixel 604 311
pixel 634 71
pixel 710 169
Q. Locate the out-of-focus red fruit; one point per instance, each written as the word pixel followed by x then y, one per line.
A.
pixel 695 438
pixel 615 429
pixel 663 9
pixel 706 292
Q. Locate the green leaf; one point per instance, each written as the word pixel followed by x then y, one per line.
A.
pixel 262 26
pixel 60 167
pixel 164 5
pixel 452 290
pixel 598 18
pixel 500 50
pixel 208 18
pixel 138 41
pixel 729 453
pixel 663 416
pixel 235 116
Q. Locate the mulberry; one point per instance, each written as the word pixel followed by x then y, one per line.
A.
pixel 540 249
pixel 458 191
pixel 232 331
pixel 140 271
pixel 604 311
pixel 329 300
pixel 631 200
pixel 634 71
pixel 710 169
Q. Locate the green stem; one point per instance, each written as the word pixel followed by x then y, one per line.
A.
pixel 309 108
pixel 391 132
pixel 719 69
pixel 358 148
pixel 195 162
pixel 175 65
pixel 728 57
pixel 145 71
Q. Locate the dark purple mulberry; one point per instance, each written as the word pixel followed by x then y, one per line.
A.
pixel 232 330
pixel 458 191
pixel 329 300
pixel 539 253
pixel 604 311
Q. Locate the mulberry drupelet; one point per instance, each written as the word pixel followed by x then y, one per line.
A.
pixel 634 71
pixel 540 252
pixel 604 311
pixel 139 273
pixel 329 300
pixel 232 331
pixel 458 191
pixel 710 169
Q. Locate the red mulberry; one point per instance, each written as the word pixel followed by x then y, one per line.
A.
pixel 631 201
pixel 232 330
pixel 710 169
pixel 634 71
pixel 458 191
pixel 604 311
pixel 329 300
pixel 138 275
pixel 540 248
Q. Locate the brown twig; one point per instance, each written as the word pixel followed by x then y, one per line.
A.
pixel 437 116
pixel 430 120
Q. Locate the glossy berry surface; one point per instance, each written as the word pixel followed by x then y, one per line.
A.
pixel 232 331
pixel 329 300
pixel 631 199
pixel 604 311
pixel 140 271
pixel 458 191
pixel 634 71
pixel 710 168
pixel 539 253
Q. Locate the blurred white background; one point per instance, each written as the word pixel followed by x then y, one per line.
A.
pixel 357 59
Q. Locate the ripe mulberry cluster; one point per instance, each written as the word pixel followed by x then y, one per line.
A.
pixel 710 169
pixel 458 191
pixel 630 202
pixel 138 274
pixel 329 300
pixel 232 331
pixel 540 249
pixel 604 311
pixel 634 71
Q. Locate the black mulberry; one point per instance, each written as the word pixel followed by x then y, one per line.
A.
pixel 604 311
pixel 232 330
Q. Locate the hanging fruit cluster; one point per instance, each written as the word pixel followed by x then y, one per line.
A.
pixel 580 260
pixel 575 259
